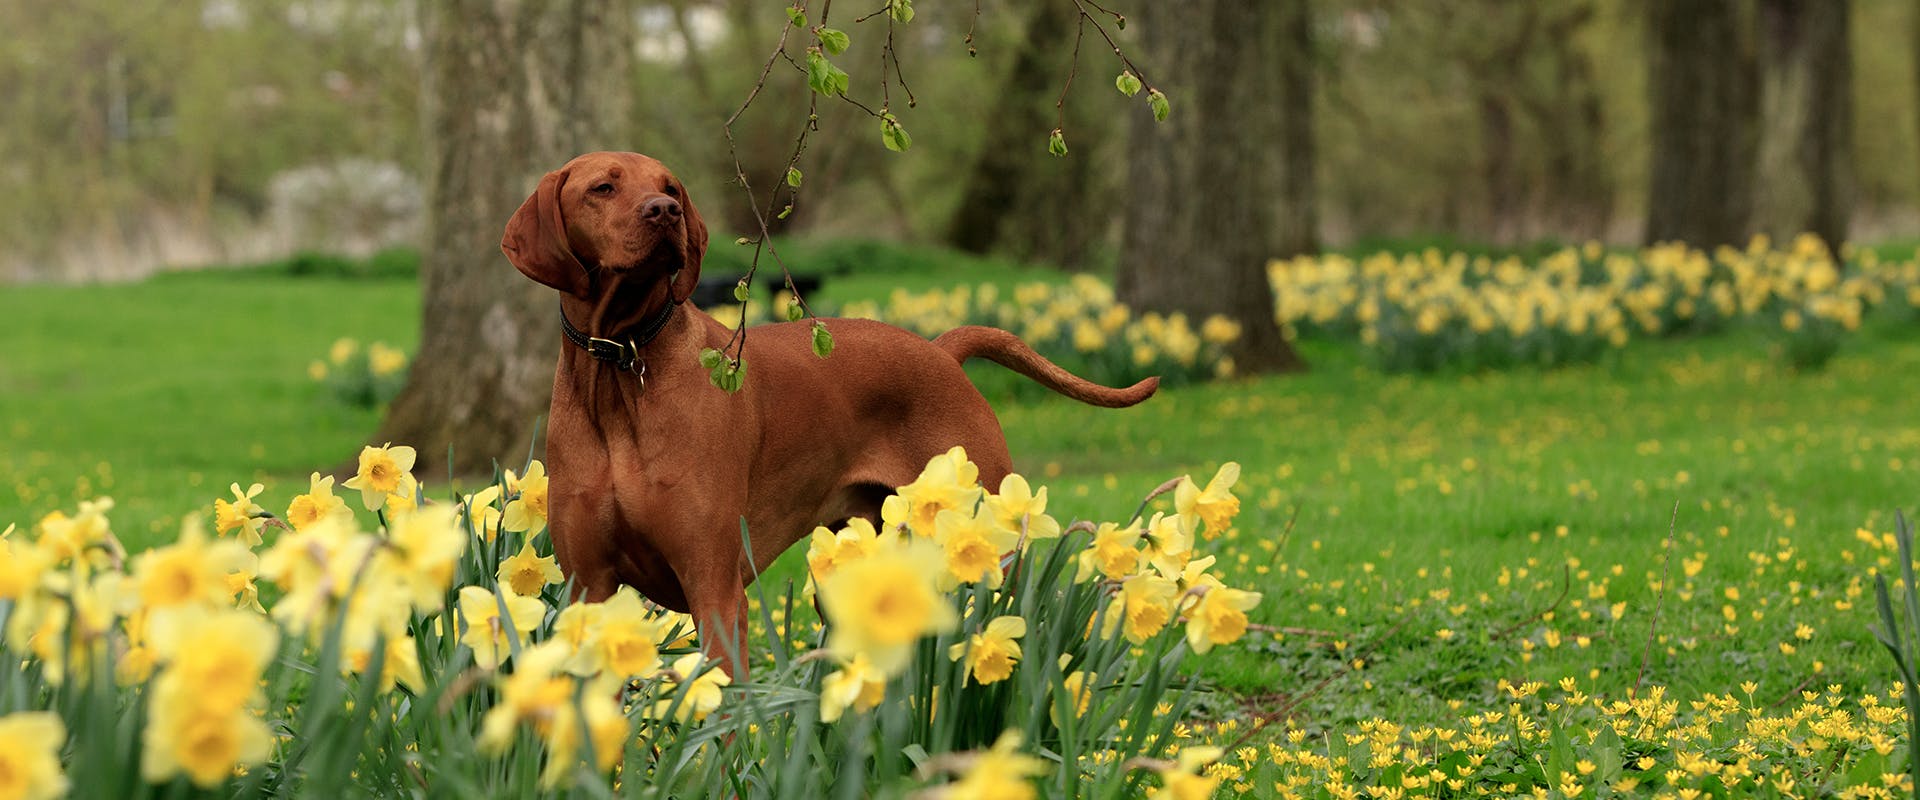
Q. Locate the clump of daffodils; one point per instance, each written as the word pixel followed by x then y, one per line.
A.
pixel 370 639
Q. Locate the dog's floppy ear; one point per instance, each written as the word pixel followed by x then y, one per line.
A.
pixel 536 239
pixel 689 279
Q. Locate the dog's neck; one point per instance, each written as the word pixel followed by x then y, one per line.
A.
pixel 621 306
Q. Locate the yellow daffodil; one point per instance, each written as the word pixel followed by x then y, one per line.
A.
pixel 528 509
pixel 1000 773
pixel 382 471
pixel 423 549
pixel 1143 606
pixel 21 565
pixel 1017 507
pixel 199 721
pixel 882 604
pixel 527 572
pixel 856 685
pixel 241 514
pixel 191 571
pixel 1214 505
pixel 696 695
pixel 481 514
pixel 399 664
pixel 1078 686
pixel 826 549
pixel 992 653
pixel 1169 544
pixel 950 482
pixel 1183 781
pixel 1113 553
pixel 318 503
pixel 621 639
pixel 492 638
pixel 1220 617
pixel 973 547
pixel 30 744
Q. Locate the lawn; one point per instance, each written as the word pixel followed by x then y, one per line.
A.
pixel 1418 538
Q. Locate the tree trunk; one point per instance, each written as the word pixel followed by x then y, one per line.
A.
pixel 1705 108
pixel 1203 190
pixel 512 89
pixel 1019 199
pixel 1297 215
pixel 1806 166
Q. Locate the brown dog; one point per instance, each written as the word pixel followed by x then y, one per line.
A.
pixel 653 467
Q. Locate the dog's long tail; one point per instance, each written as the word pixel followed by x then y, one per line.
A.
pixel 1006 349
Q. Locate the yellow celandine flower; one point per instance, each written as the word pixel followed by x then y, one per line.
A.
pixel 856 685
pixel 881 605
pixel 527 572
pixel 992 653
pixel 973 547
pixel 826 550
pixel 1017 505
pixel 382 472
pixel 698 693
pixel 528 509
pixel 30 743
pixel 242 514
pixel 1143 606
pixel 621 638
pixel 481 514
pixel 950 481
pixel 199 722
pixel 1214 505
pixel 1219 618
pixel 1000 773
pixel 1183 780
pixel 1113 553
pixel 318 503
pixel 481 627
pixel 423 549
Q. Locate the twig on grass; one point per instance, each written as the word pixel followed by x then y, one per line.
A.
pixel 1659 601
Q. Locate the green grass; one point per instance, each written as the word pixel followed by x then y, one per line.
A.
pixel 1418 504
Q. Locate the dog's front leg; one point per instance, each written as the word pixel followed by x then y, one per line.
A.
pixel 717 599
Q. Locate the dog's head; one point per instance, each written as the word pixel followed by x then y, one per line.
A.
pixel 619 212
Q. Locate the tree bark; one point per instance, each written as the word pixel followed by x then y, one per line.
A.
pixel 1203 187
pixel 1806 153
pixel 511 89
pixel 1297 217
pixel 1705 108
pixel 1018 198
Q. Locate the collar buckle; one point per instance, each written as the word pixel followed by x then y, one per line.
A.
pixel 624 355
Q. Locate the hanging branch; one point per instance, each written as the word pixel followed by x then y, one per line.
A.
pixel 824 79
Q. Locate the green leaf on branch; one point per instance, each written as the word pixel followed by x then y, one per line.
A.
pixel 1159 103
pixel 728 375
pixel 823 77
pixel 711 358
pixel 1128 83
pixel 796 16
pixel 834 41
pixel 893 135
pixel 822 340
pixel 902 10
pixel 740 290
pixel 793 177
pixel 1057 143
pixel 794 311
pixel 785 212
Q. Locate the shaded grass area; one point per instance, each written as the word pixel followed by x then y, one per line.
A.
pixel 1446 531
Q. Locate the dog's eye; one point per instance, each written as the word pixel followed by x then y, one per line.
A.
pixel 605 188
pixel 672 190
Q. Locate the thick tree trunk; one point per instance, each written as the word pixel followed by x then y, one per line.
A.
pixel 1297 216
pixel 1203 187
pixel 1705 103
pixel 512 89
pixel 1018 198
pixel 1806 163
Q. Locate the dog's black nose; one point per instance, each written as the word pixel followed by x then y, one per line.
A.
pixel 660 209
